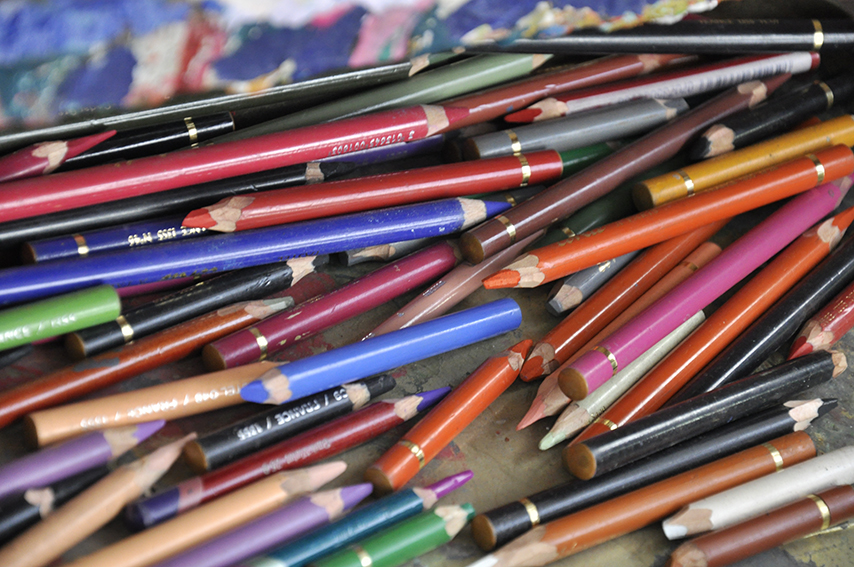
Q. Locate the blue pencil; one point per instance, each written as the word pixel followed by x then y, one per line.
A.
pixel 308 376
pixel 243 249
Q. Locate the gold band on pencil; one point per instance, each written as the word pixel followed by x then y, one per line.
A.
pixel 606 422
pixel 511 230
pixel 823 510
pixel 689 183
pixel 828 93
pixel 509 198
pixel 191 130
pixel 415 449
pixel 691 265
pixel 819 169
pixel 526 170
pixel 818 36
pixel 615 367
pixel 364 559
pixel 568 232
pixel 533 513
pixel 82 247
pixel 515 144
pixel 775 454
pixel 261 340
pixel 127 330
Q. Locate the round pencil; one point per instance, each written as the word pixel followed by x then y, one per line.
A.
pixel 173 202
pixel 89 510
pixel 777 115
pixel 806 516
pixel 61 461
pixel 301 450
pixel 307 376
pixel 280 526
pixel 231 287
pixel 214 518
pixel 245 249
pixel 665 221
pixel 448 291
pixel 576 287
pixel 613 122
pixel 618 516
pixel 495 527
pixel 384 252
pixel 700 176
pixel 239 439
pixel 58 315
pixel 683 82
pixel 130 360
pixel 407 540
pixel 827 326
pixel 29 197
pixel 360 295
pixel 12 355
pixel 365 521
pixel 294 204
pixel 737 504
pixel 609 301
pixel 725 324
pixel 443 423
pixel 703 413
pixel 710 282
pixel 565 197
pixel 45 157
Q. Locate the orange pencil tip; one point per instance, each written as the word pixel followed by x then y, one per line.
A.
pixel 502 279
pixel 532 369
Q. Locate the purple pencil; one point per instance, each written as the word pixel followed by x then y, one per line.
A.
pixel 267 532
pixel 750 251
pixel 66 459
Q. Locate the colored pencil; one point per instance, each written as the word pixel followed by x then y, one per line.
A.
pixel 298 519
pixel 447 291
pixel 699 36
pixel 825 327
pixel 665 221
pixel 214 519
pixel 249 248
pixel 365 521
pixel 231 287
pixel 89 510
pixel 755 497
pixel 550 399
pixel 12 355
pixel 393 152
pixel 29 197
pixel 448 81
pixel 386 190
pixel 700 176
pixel 710 282
pixel 444 422
pixel 145 141
pixel 641 507
pixel 384 252
pixel 726 323
pixel 811 514
pixel 575 288
pixel 404 541
pixel 301 450
pixel 777 325
pixel 497 526
pixel 680 83
pixel 173 202
pixel 360 295
pixel 129 235
pixel 615 122
pixel 45 157
pixel 567 196
pixel 246 436
pixel 58 462
pixel 58 315
pixel 698 415
pixel 380 354
pixel 130 360
pixel 581 413
pixel 614 297
pixel 776 116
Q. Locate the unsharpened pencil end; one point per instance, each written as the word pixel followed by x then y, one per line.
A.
pixel 579 460
pixel 471 248
pixel 212 358
pixel 642 196
pixel 573 384
pixel 483 533
pixel 380 480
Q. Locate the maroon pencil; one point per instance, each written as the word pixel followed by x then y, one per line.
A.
pixel 90 186
pixel 282 330
pixel 319 443
pixel 45 157
pixel 827 326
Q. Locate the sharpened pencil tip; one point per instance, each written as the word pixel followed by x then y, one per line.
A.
pixel 524 116
pixel 200 218
pixel 503 279
pixel 255 392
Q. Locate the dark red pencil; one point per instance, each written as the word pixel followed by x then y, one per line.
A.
pixel 827 326
pixel 43 158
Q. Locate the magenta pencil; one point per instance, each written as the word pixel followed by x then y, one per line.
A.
pixel 43 158
pixel 739 259
pixel 276 333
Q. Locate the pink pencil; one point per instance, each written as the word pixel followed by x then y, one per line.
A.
pixel 43 158
pixel 750 251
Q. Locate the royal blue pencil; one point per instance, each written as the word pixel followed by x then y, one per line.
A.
pixel 308 376
pixel 247 248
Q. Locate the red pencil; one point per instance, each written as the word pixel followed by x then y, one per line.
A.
pixel 63 191
pixel 827 326
pixel 45 157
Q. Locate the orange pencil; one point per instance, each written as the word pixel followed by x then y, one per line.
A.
pixel 459 408
pixel 724 325
pixel 609 301
pixel 650 227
